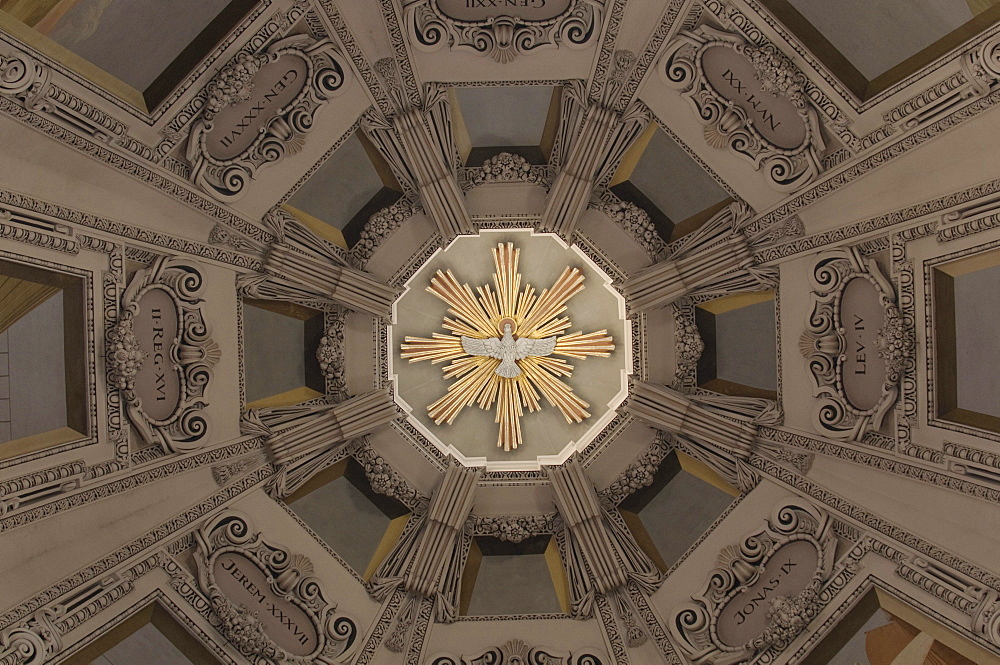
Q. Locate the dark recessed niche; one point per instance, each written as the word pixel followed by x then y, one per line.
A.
pixel 495 566
pixel 966 300
pixel 340 506
pixel 280 342
pixel 865 88
pixel 670 514
pixel 195 52
pixel 43 324
pixel 740 356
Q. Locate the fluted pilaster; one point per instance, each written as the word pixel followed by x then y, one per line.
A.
pixel 715 259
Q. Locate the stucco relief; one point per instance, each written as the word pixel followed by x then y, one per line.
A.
pixel 518 652
pixel 856 344
pixel 259 109
pixel 499 30
pixel 765 590
pixel 750 99
pixel 267 602
pixel 161 354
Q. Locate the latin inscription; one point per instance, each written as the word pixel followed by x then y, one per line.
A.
pixel 286 624
pixel 235 128
pixel 758 105
pixel 786 573
pixel 734 77
pixel 256 110
pixel 157 383
pixel 862 370
pixel 765 592
pixel 483 10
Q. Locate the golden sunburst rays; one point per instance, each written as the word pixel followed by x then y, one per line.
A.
pixel 482 316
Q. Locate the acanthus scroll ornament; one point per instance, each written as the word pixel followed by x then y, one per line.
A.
pixel 258 109
pixel 265 599
pixel 160 354
pixel 764 591
pixel 485 29
pixel 517 652
pixel 856 344
pixel 750 99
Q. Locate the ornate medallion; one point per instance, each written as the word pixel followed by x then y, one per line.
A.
pixel 502 346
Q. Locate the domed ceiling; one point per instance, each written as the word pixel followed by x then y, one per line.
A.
pixel 458 332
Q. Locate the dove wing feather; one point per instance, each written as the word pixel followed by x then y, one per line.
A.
pixel 526 346
pixel 481 347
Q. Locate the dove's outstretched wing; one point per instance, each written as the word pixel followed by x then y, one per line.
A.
pixel 526 346
pixel 481 347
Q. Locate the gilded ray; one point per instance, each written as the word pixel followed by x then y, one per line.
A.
pixel 480 315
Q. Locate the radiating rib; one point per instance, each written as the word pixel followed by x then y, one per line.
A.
pixel 463 392
pixel 556 392
pixel 579 345
pixel 439 349
pixel 534 316
pixel 460 300
pixel 552 302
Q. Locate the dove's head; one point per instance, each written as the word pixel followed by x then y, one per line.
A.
pixel 507 326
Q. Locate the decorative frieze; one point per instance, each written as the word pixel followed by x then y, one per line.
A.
pixel 636 222
pixel 490 27
pixel 513 528
pixel 330 353
pixel 639 473
pixel 259 108
pixel 268 603
pixel 505 167
pixel 765 590
pixel 380 226
pixel 750 99
pixel 856 344
pixel 160 354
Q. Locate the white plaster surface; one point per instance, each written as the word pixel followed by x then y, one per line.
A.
pixel 596 380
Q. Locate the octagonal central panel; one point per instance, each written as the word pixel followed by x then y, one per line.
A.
pixel 525 374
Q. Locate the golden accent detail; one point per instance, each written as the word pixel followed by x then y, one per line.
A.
pixel 534 316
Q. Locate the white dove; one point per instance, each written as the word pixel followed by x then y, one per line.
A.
pixel 507 349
